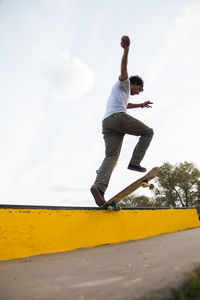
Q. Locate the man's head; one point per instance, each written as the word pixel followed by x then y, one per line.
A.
pixel 136 85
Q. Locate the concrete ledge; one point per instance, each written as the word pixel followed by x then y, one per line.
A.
pixel 33 230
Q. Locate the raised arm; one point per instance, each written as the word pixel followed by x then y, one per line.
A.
pixel 125 43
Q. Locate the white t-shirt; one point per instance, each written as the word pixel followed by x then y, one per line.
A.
pixel 119 98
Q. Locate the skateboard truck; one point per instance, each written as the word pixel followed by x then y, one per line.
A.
pixel 145 184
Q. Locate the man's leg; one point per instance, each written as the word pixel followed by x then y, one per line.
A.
pixel 141 147
pixel 113 143
pixel 133 126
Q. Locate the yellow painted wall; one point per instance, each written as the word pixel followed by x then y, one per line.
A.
pixel 27 232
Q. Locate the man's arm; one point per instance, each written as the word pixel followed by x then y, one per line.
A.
pixel 142 105
pixel 125 43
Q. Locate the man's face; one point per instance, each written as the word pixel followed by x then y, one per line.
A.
pixel 136 89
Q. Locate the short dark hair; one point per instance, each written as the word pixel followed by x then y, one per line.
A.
pixel 136 80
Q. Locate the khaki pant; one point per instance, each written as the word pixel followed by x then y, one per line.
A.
pixel 114 129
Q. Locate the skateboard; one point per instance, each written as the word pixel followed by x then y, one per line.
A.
pixel 112 204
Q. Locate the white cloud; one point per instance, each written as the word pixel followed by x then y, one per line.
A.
pixel 67 78
pixel 75 82
pixel 190 15
pixel 181 44
pixel 66 54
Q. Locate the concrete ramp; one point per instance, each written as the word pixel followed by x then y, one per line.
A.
pixel 32 230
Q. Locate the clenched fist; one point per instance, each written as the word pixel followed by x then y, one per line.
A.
pixel 125 42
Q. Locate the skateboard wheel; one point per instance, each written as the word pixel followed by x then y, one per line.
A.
pixel 151 186
pixel 110 208
pixel 113 208
pixel 144 184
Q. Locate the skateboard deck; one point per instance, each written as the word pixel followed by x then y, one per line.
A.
pixel 141 182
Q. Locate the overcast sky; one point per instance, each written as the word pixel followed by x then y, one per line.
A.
pixel 58 62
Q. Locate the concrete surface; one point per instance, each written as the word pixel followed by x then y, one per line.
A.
pixel 130 270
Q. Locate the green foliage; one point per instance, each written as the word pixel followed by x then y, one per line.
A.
pixel 191 290
pixel 178 185
pixel 132 201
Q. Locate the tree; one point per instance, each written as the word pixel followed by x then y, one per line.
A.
pixel 178 185
pixel 136 201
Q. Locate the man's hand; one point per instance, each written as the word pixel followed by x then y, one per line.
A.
pixel 125 42
pixel 147 104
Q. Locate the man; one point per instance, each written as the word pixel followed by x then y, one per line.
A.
pixel 117 123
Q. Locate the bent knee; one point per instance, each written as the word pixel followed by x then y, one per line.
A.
pixel 149 131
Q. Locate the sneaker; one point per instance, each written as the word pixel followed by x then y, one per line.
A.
pixel 136 168
pixel 98 195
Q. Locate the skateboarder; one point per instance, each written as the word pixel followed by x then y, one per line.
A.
pixel 116 123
